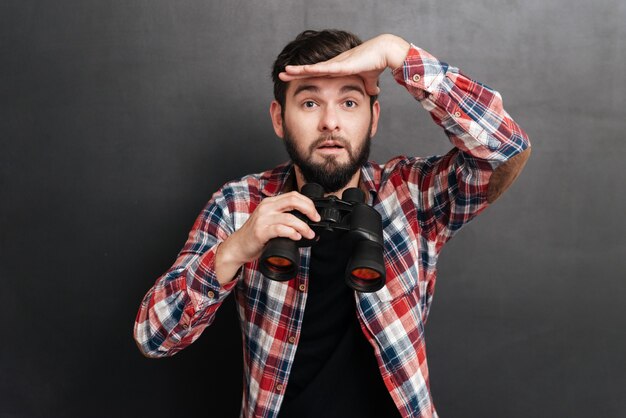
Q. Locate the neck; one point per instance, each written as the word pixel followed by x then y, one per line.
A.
pixel 354 182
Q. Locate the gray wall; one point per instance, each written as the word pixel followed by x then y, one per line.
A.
pixel 118 119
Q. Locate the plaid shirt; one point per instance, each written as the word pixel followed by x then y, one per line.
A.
pixel 423 202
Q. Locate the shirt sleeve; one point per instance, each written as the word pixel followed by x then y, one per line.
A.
pixel 451 190
pixel 184 300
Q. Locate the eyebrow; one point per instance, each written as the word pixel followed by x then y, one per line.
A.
pixel 306 87
pixel 352 87
pixel 314 89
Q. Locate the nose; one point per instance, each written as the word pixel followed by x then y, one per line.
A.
pixel 329 121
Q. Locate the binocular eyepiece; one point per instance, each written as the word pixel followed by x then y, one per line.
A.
pixel 352 221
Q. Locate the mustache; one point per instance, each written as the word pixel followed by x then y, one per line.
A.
pixel 324 138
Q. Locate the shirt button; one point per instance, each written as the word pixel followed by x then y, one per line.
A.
pixel 211 294
pixel 416 77
pixel 292 339
pixel 302 287
pixel 457 114
pixel 279 387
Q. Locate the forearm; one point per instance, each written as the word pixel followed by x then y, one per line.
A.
pixel 396 50
pixel 227 265
pixel 184 300
pixel 470 112
pixel 180 305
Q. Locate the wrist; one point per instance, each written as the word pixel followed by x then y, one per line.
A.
pixel 226 262
pixel 396 50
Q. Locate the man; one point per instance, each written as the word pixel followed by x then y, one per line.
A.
pixel 313 346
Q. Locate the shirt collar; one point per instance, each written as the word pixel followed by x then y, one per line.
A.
pixel 282 179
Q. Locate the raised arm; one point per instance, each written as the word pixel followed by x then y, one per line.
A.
pixel 490 147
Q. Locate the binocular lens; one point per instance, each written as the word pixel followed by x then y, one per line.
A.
pixel 366 269
pixel 365 280
pixel 279 260
pixel 278 264
pixel 365 274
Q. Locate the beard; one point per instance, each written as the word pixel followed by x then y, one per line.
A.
pixel 330 174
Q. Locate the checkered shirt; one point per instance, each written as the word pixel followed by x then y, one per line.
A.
pixel 423 202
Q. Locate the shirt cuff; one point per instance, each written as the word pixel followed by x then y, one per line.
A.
pixel 421 73
pixel 203 287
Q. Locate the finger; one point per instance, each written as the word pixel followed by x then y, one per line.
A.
pixel 263 233
pixel 293 201
pixel 321 68
pixel 292 221
pixel 289 77
pixel 371 88
pixel 370 82
pixel 301 203
pixel 284 231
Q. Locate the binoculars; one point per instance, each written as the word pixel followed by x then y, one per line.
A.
pixel 349 219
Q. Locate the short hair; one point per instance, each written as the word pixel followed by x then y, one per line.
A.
pixel 311 47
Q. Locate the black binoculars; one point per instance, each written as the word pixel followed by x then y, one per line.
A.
pixel 358 225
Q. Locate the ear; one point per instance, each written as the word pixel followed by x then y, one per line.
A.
pixel 375 116
pixel 277 118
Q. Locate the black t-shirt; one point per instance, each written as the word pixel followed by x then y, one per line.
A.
pixel 335 373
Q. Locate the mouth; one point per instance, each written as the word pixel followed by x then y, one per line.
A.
pixel 330 145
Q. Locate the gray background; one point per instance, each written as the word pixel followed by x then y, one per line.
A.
pixel 118 120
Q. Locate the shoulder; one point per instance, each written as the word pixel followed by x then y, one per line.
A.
pixel 253 187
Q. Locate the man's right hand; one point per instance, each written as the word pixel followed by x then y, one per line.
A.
pixel 269 220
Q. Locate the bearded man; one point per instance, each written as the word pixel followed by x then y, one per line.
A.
pixel 313 347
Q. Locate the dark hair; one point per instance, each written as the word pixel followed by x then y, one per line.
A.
pixel 311 47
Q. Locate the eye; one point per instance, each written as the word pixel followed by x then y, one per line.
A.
pixel 309 104
pixel 350 103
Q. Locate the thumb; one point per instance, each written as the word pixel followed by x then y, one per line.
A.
pixel 371 86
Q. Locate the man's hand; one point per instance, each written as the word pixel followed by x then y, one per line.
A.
pixel 367 60
pixel 269 220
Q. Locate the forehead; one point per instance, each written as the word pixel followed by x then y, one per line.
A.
pixel 325 85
